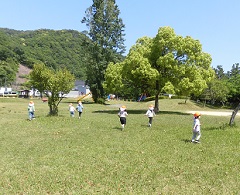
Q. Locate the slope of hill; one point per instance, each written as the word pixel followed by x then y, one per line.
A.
pixel 23 71
pixel 56 49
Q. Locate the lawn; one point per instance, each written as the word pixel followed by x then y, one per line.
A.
pixel 64 155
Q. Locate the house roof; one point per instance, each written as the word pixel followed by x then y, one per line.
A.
pixel 79 82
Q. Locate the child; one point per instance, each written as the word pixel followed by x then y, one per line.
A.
pixel 150 113
pixel 196 128
pixel 79 108
pixel 31 110
pixel 71 110
pixel 122 115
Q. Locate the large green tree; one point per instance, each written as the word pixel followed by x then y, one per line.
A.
pixel 106 30
pixel 53 82
pixel 167 62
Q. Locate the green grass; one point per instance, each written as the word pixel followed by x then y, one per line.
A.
pixel 64 155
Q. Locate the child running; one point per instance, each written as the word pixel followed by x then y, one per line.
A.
pixel 71 110
pixel 31 110
pixel 196 128
pixel 122 115
pixel 79 108
pixel 150 113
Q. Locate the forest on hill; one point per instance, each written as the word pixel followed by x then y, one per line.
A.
pixel 55 48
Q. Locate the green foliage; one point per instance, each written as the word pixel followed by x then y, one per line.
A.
pixel 234 83
pixel 106 32
pixel 8 62
pixel 167 62
pixel 8 70
pixel 113 79
pixel 218 91
pixel 57 49
pixel 55 83
pixel 100 101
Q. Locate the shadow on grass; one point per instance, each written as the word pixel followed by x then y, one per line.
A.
pixel 142 112
pixel 214 107
pixel 118 128
pixel 76 101
pixel 223 126
pixel 187 140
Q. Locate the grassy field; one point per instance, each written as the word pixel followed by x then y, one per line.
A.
pixel 64 155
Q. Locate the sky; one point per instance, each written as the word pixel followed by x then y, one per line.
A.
pixel 215 23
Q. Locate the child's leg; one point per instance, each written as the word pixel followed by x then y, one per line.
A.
pixel 30 115
pixel 198 135
pixel 194 136
pixel 123 122
pixel 79 114
pixel 150 121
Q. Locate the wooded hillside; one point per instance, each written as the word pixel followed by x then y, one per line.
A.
pixel 55 48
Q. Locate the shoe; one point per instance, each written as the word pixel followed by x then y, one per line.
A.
pixel 197 141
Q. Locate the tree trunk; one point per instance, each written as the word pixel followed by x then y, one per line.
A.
pixel 156 107
pixel 234 113
pixel 53 108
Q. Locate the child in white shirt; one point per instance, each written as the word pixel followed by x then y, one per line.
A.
pixel 122 115
pixel 71 110
pixel 196 128
pixel 150 113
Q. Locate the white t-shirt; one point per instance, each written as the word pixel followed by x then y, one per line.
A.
pixel 71 109
pixel 150 113
pixel 122 114
pixel 196 124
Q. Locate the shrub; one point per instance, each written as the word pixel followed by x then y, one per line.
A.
pixel 100 101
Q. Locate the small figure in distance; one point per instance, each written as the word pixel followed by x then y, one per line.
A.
pixel 71 110
pixel 196 128
pixel 150 113
pixel 31 110
pixel 79 108
pixel 122 114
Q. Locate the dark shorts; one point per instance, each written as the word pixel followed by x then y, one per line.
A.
pixel 123 120
pixel 150 120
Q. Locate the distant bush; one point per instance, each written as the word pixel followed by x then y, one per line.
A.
pixel 179 97
pixel 100 101
pixel 151 98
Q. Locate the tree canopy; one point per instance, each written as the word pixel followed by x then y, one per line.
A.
pixel 54 83
pixel 166 62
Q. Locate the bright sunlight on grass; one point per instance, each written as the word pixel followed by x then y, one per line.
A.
pixel 64 155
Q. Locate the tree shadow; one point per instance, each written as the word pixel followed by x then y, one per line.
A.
pixel 223 126
pixel 207 105
pixel 142 112
pixel 174 113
